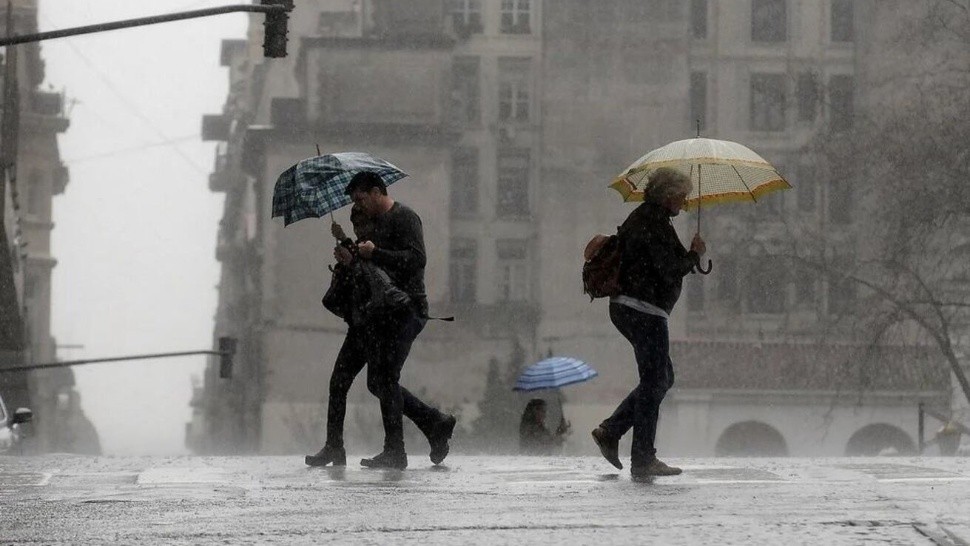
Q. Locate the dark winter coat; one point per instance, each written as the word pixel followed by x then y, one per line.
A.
pixel 361 291
pixel 399 240
pixel 654 261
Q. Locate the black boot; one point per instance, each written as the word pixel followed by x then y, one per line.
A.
pixel 609 447
pixel 327 455
pixel 387 459
pixel 439 437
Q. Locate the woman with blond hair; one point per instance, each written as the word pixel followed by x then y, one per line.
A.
pixel 652 267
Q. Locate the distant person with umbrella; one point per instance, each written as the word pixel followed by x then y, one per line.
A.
pixel 551 373
pixel 652 268
pixel 397 247
pixel 534 437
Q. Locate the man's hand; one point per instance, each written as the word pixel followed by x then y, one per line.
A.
pixel 342 255
pixel 366 249
pixel 697 245
pixel 337 231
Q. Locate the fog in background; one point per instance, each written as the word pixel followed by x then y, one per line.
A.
pixel 135 229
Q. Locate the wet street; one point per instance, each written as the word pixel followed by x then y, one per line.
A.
pixel 486 500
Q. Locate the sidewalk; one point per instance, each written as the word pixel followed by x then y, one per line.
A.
pixel 487 500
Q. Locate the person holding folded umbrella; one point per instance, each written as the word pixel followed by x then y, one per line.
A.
pixel 652 268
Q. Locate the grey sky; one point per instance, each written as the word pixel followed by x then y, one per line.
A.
pixel 135 230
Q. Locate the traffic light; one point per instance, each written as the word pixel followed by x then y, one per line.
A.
pixel 227 349
pixel 274 28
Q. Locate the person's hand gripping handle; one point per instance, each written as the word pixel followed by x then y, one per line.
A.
pixel 700 247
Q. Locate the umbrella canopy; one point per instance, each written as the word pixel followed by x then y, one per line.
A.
pixel 315 187
pixel 722 172
pixel 554 372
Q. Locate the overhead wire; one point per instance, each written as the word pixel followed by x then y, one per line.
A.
pixel 133 109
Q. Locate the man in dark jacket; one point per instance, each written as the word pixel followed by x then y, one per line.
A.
pixel 652 268
pixel 396 246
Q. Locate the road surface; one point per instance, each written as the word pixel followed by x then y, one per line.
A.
pixel 486 500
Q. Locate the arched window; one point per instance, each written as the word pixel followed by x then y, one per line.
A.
pixel 751 439
pixel 880 439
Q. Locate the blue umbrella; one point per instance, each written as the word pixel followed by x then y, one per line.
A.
pixel 554 372
pixel 315 187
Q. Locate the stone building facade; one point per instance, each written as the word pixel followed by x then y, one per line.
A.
pixel 512 117
pixel 34 175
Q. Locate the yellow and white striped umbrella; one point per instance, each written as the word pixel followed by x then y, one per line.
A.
pixel 722 172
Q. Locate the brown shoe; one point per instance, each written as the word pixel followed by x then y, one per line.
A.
pixel 609 447
pixel 656 467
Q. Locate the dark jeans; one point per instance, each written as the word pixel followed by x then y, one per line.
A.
pixel 641 408
pixel 350 361
pixel 388 343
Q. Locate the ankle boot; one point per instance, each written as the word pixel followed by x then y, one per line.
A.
pixel 327 455
pixel 387 459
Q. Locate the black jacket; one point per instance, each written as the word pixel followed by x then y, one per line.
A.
pixel 399 239
pixel 654 261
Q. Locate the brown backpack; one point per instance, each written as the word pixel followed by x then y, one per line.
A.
pixel 601 271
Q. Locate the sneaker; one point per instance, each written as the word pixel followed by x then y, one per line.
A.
pixel 656 467
pixel 327 455
pixel 609 447
pixel 387 459
pixel 439 437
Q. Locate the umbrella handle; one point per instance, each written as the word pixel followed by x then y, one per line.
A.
pixel 701 270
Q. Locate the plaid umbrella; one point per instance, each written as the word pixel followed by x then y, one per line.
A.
pixel 554 372
pixel 315 187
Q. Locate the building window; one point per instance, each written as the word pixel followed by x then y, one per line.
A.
pixel 513 183
pixel 841 99
pixel 807 95
pixel 515 17
pixel 463 270
pixel 513 88
pixel 332 24
pixel 513 270
pixel 841 290
pixel 698 99
pixel 768 102
pixel 698 19
pixel 840 201
pixel 464 182
pixel 805 188
pixel 842 21
pixel 766 285
pixel 34 193
pixel 465 85
pixel 466 16
pixel 805 289
pixel 30 287
pixel 769 21
pixel 773 204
